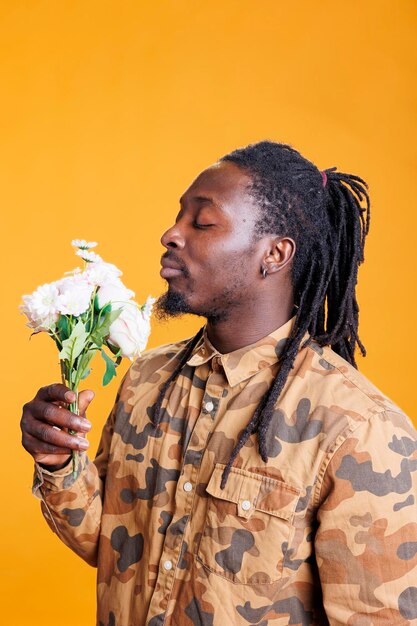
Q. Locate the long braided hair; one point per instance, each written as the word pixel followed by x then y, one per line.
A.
pixel 323 213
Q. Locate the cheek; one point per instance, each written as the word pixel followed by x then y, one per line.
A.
pixel 238 255
pixel 214 258
pixel 230 267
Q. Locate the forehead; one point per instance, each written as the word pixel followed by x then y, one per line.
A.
pixel 224 182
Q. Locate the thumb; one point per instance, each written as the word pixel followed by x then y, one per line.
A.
pixel 84 399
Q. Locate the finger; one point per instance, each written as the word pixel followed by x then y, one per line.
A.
pixel 56 392
pixel 45 433
pixel 84 399
pixel 72 432
pixel 58 416
pixel 36 447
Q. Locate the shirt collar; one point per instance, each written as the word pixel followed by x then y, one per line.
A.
pixel 245 362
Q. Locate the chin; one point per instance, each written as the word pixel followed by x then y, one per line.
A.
pixel 171 304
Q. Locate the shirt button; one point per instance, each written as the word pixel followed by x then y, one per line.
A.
pixel 187 486
pixel 246 505
pixel 168 565
pixel 209 406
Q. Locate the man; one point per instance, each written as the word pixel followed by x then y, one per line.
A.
pixel 250 474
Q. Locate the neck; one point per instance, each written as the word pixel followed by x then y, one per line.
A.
pixel 244 327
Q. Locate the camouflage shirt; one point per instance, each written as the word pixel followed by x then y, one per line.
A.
pixel 325 532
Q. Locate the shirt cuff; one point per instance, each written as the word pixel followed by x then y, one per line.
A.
pixel 45 481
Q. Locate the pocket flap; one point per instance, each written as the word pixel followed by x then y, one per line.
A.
pixel 254 492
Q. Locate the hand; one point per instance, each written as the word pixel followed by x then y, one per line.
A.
pixel 45 423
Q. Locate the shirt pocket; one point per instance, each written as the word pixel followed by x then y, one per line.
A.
pixel 247 527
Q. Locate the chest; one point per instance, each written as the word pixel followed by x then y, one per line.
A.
pixel 164 483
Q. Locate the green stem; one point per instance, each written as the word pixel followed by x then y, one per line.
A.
pixel 75 456
pixel 63 378
pixel 99 315
pixel 90 328
pixel 79 372
pixel 57 339
pixel 66 377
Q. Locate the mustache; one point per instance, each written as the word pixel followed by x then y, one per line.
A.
pixel 171 256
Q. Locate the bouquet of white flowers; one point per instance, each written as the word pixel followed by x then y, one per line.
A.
pixel 86 311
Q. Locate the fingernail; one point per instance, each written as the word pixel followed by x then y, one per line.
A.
pixel 86 425
pixel 70 396
pixel 83 444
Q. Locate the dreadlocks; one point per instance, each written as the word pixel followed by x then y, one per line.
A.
pixel 324 216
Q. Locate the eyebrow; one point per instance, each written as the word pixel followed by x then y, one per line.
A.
pixel 199 199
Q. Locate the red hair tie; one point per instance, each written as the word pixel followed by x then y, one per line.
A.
pixel 324 177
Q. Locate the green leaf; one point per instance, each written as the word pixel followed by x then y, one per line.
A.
pixel 96 335
pixel 63 327
pixel 117 353
pixel 114 349
pixel 84 361
pixel 112 315
pixel 86 373
pixel 103 328
pixel 110 368
pixel 74 345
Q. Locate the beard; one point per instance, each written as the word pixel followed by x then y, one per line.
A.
pixel 170 304
pixel 174 304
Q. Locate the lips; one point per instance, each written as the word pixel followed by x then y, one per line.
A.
pixel 170 272
pixel 170 269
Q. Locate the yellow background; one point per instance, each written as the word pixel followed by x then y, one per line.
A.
pixel 109 110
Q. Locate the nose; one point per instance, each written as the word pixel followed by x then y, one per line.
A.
pixel 173 237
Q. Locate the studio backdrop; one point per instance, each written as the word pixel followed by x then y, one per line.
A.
pixel 109 110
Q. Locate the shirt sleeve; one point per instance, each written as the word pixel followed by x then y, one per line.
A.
pixel 366 540
pixel 72 505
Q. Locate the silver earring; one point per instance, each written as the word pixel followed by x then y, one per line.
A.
pixel 264 272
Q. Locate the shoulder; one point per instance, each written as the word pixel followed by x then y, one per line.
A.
pixel 341 403
pixel 337 382
pixel 363 429
pixel 149 370
pixel 368 445
pixel 161 359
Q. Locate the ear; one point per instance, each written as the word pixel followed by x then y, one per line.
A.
pixel 281 252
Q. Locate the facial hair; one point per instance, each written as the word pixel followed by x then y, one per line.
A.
pixel 174 304
pixel 170 304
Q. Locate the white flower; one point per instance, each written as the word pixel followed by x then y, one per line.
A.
pixel 114 292
pixel 83 244
pixel 72 272
pixel 90 257
pixel 74 294
pixel 74 302
pixel 41 307
pixel 130 331
pixel 99 274
pixel 72 281
pixel 146 309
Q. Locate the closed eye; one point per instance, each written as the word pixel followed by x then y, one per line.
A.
pixel 201 226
